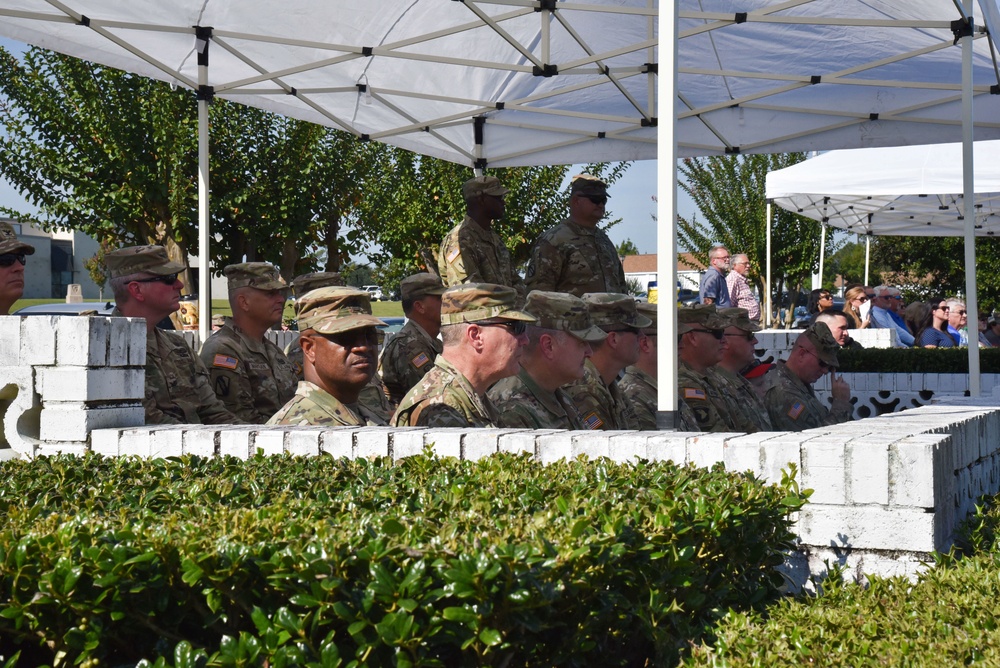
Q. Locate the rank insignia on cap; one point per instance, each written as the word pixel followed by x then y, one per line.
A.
pixel 455 252
pixel 593 421
pixel 796 410
pixel 420 360
pixel 224 362
pixel 693 393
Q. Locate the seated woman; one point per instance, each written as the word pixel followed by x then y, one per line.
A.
pixel 819 300
pixel 854 298
pixel 929 323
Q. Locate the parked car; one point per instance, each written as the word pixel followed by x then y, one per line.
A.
pixel 640 297
pixel 375 292
pixel 59 308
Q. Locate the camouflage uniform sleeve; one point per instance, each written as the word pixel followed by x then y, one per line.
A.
pixel 150 402
pixel 593 409
pixel 544 267
pixel 453 259
pixel 787 411
pixel 707 417
pixel 438 415
pixel 405 363
pixel 211 410
pixel 226 365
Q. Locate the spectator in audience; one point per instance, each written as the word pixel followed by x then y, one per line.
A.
pixel 931 319
pixel 983 341
pixel 714 289
pixel 855 306
pixel 740 293
pixel 837 321
pixel 883 315
pixel 993 329
pixel 12 252
pixel 819 300
pixel 958 321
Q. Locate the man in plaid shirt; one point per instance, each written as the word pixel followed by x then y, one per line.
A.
pixel 739 288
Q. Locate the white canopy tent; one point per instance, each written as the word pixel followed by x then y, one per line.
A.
pixel 522 82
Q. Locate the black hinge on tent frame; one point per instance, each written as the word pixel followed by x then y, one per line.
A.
pixel 203 34
pixel 205 92
pixel 995 89
pixel 480 163
pixel 741 17
pixel 545 71
pixel 961 28
pixel 543 5
pixel 732 150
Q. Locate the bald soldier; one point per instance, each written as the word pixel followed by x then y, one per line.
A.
pixel 576 256
pixel 639 382
pixel 411 352
pixel 559 345
pixel 251 375
pixel 791 402
pixel 178 388
pixel 483 333
pixel 597 395
pixel 12 252
pixel 339 344
pixel 472 252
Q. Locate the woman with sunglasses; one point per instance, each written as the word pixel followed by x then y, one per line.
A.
pixel 932 330
pixel 819 300
pixel 854 299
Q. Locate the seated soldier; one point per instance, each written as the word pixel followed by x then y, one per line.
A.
pixel 701 344
pixel 411 352
pixel 483 333
pixel 251 375
pixel 747 409
pixel 558 347
pixel 639 382
pixel 339 343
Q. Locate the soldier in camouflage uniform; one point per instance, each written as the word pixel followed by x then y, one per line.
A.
pixel 12 252
pixel 597 396
pixel 790 401
pixel 639 382
pixel 575 256
pixel 251 375
pixel 747 409
pixel 339 345
pixel 700 346
pixel 558 347
pixel 178 388
pixel 411 352
pixel 483 333
pixel 472 252
pixel 374 396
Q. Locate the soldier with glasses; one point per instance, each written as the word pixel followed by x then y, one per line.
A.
pixel 12 252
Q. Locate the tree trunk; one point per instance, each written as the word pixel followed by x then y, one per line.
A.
pixel 289 259
pixel 330 232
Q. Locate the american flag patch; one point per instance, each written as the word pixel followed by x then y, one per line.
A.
pixel 455 252
pixel 224 362
pixel 796 410
pixel 420 360
pixel 693 393
pixel 593 421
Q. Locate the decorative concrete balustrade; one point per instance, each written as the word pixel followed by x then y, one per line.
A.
pixel 887 490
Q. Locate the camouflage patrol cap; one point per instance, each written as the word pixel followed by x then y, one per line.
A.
pixel 141 259
pixel 648 310
pixel 612 311
pixel 706 315
pixel 483 185
pixel 9 243
pixel 739 318
pixel 304 283
pixel 218 320
pixel 819 335
pixel 474 302
pixel 420 285
pixel 335 309
pixel 588 185
pixel 259 275
pixel 563 312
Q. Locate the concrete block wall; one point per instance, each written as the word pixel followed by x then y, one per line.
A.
pixel 62 377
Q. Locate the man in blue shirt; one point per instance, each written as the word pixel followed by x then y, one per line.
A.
pixel 713 288
pixel 884 316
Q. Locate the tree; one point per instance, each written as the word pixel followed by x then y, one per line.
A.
pixel 729 192
pixel 627 248
pixel 97 269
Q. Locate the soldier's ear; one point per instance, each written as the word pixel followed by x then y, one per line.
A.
pixel 308 345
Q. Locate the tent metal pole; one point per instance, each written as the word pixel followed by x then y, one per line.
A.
pixel 204 277
pixel 666 215
pixel 868 256
pixel 768 313
pixel 968 172
pixel 822 253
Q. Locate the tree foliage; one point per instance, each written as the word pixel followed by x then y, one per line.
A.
pixel 849 263
pixel 627 247
pixel 729 192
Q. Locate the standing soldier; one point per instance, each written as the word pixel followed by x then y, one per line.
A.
pixel 483 333
pixel 747 409
pixel 412 351
pixel 639 383
pixel 575 256
pixel 12 252
pixel 251 375
pixel 178 389
pixel 557 350
pixel 339 345
pixel 472 252
pixel 597 396
pixel 700 346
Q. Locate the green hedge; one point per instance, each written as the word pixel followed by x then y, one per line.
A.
pixel 916 360
pixel 322 562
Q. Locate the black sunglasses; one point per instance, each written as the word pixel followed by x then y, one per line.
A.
pixel 354 338
pixel 516 327
pixel 743 335
pixel 596 199
pixel 7 259
pixel 168 279
pixel 717 333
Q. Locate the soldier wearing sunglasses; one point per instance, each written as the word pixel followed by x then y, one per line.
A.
pixel 178 390
pixel 575 256
pixel 701 344
pixel 741 400
pixel 12 261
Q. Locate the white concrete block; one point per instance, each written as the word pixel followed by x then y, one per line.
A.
pixel 870 527
pixel 911 471
pixel 778 452
pixel 406 443
pixel 136 442
pixel 22 414
pixel 269 441
pixel 706 450
pixel 105 442
pixel 167 441
pixel 73 421
pixel 10 340
pixel 593 444
pixel 81 341
pixel 303 441
pixel 374 441
pixel 671 446
pixel 136 341
pixel 49 448
pixel 118 341
pixel 338 442
pixel 38 345
pixel 446 442
pixel 628 447
pixel 479 443
pixel 868 472
pixel 743 453
pixel 824 470
pixel 522 441
pixel 235 441
pixel 200 441
pixel 555 446
pixel 74 383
